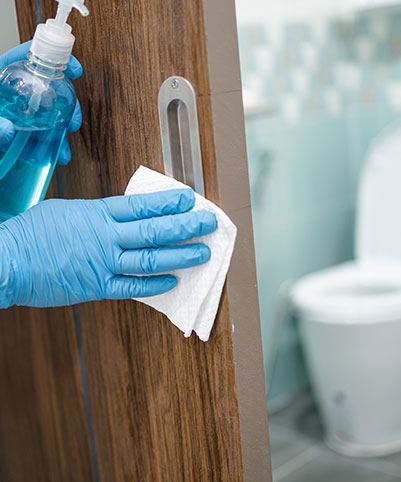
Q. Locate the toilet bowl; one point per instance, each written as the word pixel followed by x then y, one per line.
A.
pixel 350 318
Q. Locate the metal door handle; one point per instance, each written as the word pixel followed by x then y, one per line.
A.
pixel 180 132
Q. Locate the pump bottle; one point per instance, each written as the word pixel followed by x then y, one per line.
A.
pixel 39 100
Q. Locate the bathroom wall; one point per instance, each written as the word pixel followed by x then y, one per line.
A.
pixel 317 90
pixel 8 26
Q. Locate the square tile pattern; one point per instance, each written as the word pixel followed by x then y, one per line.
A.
pixel 299 454
pixel 323 66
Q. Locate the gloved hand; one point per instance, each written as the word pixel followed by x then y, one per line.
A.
pixel 73 71
pixel 64 252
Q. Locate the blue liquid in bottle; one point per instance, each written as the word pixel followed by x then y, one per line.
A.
pixel 38 99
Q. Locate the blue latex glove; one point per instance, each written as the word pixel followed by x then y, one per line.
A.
pixel 63 252
pixel 73 71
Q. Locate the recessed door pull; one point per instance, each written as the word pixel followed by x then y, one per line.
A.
pixel 180 132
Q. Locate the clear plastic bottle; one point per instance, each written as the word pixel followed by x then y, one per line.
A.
pixel 39 100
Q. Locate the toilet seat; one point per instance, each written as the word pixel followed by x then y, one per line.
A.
pixel 350 318
pixel 352 292
pixel 368 289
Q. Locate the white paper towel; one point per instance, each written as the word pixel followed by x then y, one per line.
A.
pixel 192 305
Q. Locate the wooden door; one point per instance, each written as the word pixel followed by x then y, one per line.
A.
pixel 112 391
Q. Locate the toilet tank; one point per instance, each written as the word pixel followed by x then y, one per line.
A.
pixel 378 227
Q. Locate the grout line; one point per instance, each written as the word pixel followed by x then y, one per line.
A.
pixel 78 329
pixel 296 463
pixel 38 11
pixel 378 465
pixel 59 182
pixel 374 464
pixel 86 396
pixel 290 432
pixel 387 470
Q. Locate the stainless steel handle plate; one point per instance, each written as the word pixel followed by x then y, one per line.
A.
pixel 180 132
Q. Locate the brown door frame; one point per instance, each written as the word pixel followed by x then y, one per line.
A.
pixel 119 347
pixel 234 195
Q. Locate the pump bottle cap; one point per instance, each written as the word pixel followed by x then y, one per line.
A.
pixel 53 41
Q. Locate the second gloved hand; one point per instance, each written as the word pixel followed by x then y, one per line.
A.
pixel 7 130
pixel 64 252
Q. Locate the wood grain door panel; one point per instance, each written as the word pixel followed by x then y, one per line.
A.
pixel 43 428
pixel 164 408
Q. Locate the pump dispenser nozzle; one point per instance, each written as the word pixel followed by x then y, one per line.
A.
pixel 64 10
pixel 53 41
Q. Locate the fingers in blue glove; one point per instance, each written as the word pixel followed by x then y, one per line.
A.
pixel 87 261
pixel 73 70
pixel 165 230
pixel 125 287
pixel 142 206
pixel 76 120
pixel 7 132
pixel 64 156
pixel 162 260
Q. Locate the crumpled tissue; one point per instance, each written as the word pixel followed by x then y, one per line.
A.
pixel 192 305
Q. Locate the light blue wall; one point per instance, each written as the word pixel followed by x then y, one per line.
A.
pixel 8 26
pixel 326 98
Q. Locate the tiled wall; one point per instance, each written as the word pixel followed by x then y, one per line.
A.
pixel 323 67
pixel 315 94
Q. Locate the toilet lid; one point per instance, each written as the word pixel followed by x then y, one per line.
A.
pixel 378 229
pixel 350 294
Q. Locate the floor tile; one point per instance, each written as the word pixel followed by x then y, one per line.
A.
pixel 300 455
pixel 285 446
pixel 385 465
pixel 332 468
pixel 394 458
pixel 302 417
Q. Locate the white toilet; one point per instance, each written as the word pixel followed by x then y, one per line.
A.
pixel 350 318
